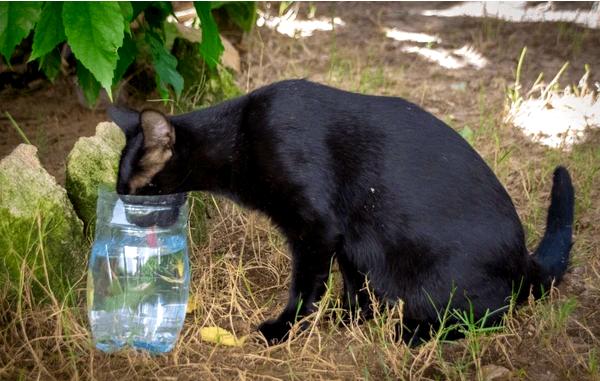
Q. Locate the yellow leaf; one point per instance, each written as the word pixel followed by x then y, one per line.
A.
pixel 191 305
pixel 222 336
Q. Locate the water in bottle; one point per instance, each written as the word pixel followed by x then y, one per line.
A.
pixel 138 278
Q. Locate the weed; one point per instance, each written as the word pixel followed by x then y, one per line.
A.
pixel 592 363
pixel 514 93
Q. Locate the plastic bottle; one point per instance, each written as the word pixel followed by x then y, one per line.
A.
pixel 138 274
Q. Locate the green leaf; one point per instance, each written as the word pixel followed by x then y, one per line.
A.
pixel 217 4
pixel 467 134
pixel 211 47
pixel 165 65
pixel 88 83
pixel 16 21
pixel 49 31
pixel 243 13
pixel 127 54
pixel 95 33
pixel 50 64
pixel 127 12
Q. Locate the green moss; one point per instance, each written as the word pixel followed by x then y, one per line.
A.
pixel 41 238
pixel 224 85
pixel 94 161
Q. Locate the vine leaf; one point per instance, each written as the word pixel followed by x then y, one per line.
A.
pixel 165 65
pixel 127 11
pixel 211 47
pixel 50 64
pixel 89 84
pixel 127 54
pixel 49 31
pixel 16 21
pixel 95 32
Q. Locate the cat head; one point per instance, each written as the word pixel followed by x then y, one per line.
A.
pixel 150 163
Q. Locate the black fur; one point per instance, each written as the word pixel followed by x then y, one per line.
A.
pixel 388 190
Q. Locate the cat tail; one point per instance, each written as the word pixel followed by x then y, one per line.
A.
pixel 552 254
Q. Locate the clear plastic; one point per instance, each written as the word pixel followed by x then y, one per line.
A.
pixel 138 274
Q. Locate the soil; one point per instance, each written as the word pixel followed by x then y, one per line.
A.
pixel 359 57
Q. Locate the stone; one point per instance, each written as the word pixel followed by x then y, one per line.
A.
pixel 492 372
pixel 93 161
pixel 41 237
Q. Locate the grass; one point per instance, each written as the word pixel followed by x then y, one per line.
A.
pixel 17 128
pixel 241 271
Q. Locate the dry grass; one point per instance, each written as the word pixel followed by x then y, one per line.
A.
pixel 240 274
pixel 239 279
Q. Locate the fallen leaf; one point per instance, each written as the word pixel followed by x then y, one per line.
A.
pixel 222 336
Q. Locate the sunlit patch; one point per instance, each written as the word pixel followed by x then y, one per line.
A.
pixel 291 27
pixel 450 59
pixel 559 121
pixel 519 11
pixel 185 16
pixel 400 35
pixel 557 118
pixel 471 56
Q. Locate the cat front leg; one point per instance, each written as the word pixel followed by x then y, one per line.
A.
pixel 310 269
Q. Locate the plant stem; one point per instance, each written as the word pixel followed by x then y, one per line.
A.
pixel 16 126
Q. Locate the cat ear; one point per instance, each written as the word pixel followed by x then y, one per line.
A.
pixel 128 120
pixel 159 139
pixel 158 131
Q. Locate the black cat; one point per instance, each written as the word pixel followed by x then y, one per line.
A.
pixel 393 194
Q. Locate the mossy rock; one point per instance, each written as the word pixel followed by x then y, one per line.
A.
pixel 41 237
pixel 92 162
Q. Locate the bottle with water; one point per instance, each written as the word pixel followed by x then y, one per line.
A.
pixel 138 275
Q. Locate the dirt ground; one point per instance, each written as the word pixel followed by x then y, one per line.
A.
pixel 557 339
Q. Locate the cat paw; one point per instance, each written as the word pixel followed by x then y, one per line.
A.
pixel 275 330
